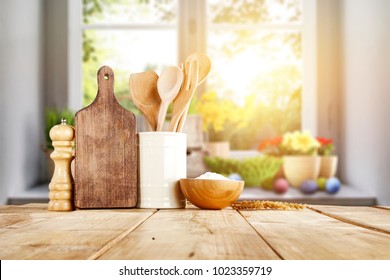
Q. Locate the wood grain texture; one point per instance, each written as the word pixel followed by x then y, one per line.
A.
pixel 72 235
pixel 368 217
pixel 192 234
pixel 33 232
pixel 25 208
pixel 106 151
pixel 309 235
pixel 13 217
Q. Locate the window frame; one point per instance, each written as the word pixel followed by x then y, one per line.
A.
pixel 191 25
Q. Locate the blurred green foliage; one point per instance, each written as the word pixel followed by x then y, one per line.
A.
pixel 255 171
pixel 269 121
pixel 54 117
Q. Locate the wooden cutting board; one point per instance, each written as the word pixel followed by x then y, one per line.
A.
pixel 106 151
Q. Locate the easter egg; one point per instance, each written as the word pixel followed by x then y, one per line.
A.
pixel 281 185
pixel 235 176
pixel 333 185
pixel 309 187
pixel 321 183
pixel 268 184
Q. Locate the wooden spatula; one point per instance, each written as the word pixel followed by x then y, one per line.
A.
pixel 106 151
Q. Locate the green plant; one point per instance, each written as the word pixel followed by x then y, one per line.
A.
pixel 255 171
pixel 52 118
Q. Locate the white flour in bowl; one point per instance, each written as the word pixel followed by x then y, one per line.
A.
pixel 212 176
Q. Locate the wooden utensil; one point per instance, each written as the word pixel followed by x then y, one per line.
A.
pixel 204 65
pixel 182 100
pixel 168 85
pixel 204 70
pixel 143 90
pixel 106 151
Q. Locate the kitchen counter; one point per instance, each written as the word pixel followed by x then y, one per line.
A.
pixel 317 232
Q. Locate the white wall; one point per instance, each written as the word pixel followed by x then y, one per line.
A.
pixel 56 53
pixel 365 114
pixel 328 70
pixel 20 95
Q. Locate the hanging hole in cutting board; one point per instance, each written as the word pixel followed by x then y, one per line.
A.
pixel 106 76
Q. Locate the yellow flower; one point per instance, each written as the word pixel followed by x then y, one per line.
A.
pixel 217 113
pixel 300 143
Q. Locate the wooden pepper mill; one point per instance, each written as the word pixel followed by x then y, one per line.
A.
pixel 61 185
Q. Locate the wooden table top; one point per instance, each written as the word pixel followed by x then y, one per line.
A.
pixel 318 232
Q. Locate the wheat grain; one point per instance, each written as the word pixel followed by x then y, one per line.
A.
pixel 266 204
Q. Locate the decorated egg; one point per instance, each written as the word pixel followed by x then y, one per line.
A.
pixel 281 185
pixel 321 183
pixel 309 186
pixel 235 176
pixel 333 185
pixel 268 184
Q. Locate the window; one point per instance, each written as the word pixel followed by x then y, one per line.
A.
pixel 129 36
pixel 257 48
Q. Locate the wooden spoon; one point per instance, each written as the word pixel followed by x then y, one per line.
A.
pixel 143 90
pixel 168 85
pixel 204 70
pixel 183 99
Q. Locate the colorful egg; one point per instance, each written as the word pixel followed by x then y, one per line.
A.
pixel 321 183
pixel 268 184
pixel 309 187
pixel 333 185
pixel 281 185
pixel 235 176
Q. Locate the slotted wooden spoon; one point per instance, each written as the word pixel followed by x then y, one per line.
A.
pixel 183 99
pixel 143 90
pixel 204 63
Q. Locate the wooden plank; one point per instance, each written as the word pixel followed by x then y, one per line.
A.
pixel 12 217
pixel 368 217
pixel 76 235
pixel 25 208
pixel 106 151
pixel 12 221
pixel 309 235
pixel 192 234
pixel 383 207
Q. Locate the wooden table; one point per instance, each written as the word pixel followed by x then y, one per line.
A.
pixel 318 232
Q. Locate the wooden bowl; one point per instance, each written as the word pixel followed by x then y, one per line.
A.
pixel 211 194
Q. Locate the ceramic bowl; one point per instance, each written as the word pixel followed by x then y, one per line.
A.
pixel 211 194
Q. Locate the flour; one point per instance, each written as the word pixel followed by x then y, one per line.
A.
pixel 212 176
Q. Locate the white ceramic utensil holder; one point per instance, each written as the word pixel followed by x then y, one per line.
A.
pixel 162 163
